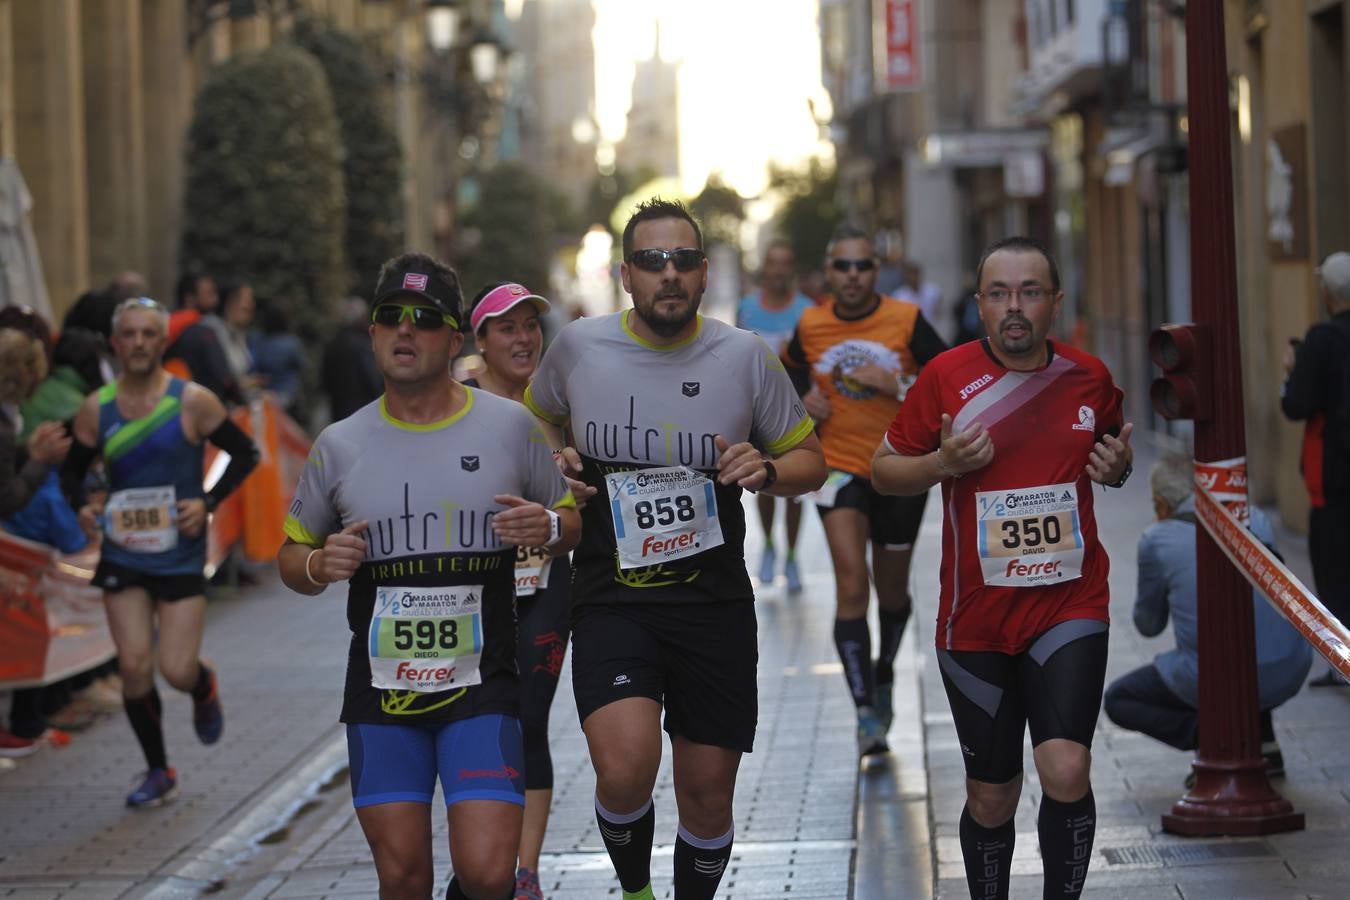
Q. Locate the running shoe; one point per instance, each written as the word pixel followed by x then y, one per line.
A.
pixel 527 885
pixel 12 746
pixel 159 787
pixel 768 564
pixel 871 736
pixel 207 716
pixel 886 706
pixel 794 575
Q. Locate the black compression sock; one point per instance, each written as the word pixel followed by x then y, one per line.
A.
pixel 145 713
pixel 853 640
pixel 1066 831
pixel 988 853
pixel 892 632
pixel 699 864
pixel 628 838
pixel 201 691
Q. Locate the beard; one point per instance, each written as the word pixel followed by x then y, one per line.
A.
pixel 1016 346
pixel 669 324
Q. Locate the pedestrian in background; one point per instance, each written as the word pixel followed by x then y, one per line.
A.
pixel 349 375
pixel 1161 699
pixel 772 313
pixel 1317 393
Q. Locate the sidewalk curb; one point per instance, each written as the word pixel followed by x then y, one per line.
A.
pixel 268 809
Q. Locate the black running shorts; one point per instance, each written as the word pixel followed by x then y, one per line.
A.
pixel 698 659
pixel 113 578
pixel 893 522
pixel 1055 686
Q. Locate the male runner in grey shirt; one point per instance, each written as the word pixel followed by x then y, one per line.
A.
pixel 671 415
pixel 418 500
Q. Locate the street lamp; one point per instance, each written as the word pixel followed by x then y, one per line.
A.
pixel 485 54
pixel 443 18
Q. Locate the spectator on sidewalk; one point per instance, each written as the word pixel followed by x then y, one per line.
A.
pixel 1317 393
pixel 194 351
pixel 237 306
pixel 1161 699
pixel 23 471
pixel 279 358
pixel 75 372
pixel 350 377
pixel 912 288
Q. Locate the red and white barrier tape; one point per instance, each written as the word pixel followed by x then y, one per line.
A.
pixel 1271 577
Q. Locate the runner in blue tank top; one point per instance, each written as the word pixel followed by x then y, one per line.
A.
pixel 149 426
pixel 772 313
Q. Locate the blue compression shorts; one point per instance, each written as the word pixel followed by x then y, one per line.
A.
pixel 479 758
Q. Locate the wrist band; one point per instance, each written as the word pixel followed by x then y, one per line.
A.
pixel 312 580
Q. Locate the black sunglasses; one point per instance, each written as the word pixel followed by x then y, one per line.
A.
pixel 686 259
pixel 862 265
pixel 426 318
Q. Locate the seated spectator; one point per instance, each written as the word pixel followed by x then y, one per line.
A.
pixel 1160 699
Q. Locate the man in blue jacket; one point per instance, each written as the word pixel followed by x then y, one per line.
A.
pixel 1160 699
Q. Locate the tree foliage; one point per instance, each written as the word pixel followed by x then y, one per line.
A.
pixel 510 231
pixel 264 199
pixel 370 166
pixel 720 211
pixel 810 211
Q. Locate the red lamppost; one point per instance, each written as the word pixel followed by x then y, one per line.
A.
pixel 1231 794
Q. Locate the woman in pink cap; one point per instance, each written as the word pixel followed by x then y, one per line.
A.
pixel 506 320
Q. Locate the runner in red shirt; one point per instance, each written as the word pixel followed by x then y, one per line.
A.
pixel 1017 428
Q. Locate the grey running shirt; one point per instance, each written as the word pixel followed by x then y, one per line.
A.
pixel 426 491
pixel 632 405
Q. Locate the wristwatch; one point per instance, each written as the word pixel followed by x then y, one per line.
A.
pixel 1124 476
pixel 770 476
pixel 555 528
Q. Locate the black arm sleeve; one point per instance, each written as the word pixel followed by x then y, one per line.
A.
pixel 794 361
pixel 73 470
pixel 925 343
pixel 243 457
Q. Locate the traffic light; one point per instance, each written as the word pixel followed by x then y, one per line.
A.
pixel 1183 353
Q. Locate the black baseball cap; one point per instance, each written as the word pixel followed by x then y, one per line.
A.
pixel 418 276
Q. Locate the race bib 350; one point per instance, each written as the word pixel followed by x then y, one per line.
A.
pixel 1029 537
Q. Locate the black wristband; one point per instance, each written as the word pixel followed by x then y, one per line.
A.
pixel 770 475
pixel 1124 476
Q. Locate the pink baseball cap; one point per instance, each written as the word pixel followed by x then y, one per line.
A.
pixel 501 299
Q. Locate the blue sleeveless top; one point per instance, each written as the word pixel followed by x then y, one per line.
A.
pixel 152 452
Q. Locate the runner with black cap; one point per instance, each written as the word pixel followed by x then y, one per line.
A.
pixel 505 320
pixel 418 500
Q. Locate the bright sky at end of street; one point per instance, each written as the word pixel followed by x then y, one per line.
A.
pixel 747 71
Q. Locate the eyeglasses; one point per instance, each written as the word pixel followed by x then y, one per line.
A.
pixel 1031 293
pixel 862 265
pixel 424 318
pixel 686 259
